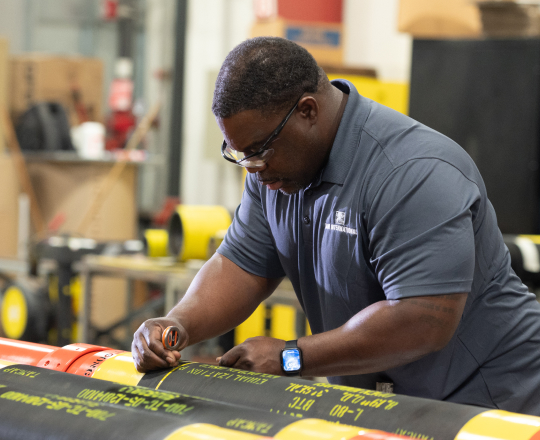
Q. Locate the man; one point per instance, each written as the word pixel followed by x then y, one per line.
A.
pixel 383 227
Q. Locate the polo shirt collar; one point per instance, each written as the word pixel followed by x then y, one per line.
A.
pixel 345 143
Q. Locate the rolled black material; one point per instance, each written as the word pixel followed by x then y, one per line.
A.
pixel 302 399
pixel 27 414
pixel 131 409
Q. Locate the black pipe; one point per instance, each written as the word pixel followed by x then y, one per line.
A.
pixel 430 419
pixel 131 409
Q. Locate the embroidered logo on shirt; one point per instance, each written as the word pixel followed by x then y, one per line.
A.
pixel 340 218
pixel 340 228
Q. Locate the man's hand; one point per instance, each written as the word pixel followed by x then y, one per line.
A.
pixel 147 347
pixel 260 354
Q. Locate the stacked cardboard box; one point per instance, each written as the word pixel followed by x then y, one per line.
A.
pixel 9 207
pixel 39 77
pixel 439 18
pixel 314 24
pixel 65 189
pixel 510 19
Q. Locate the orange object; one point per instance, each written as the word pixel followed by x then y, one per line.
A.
pixel 61 358
pixel 22 352
pixel 171 338
pixel 73 358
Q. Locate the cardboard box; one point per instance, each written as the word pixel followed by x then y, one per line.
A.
pixel 323 40
pixel 509 19
pixel 9 206
pixel 68 188
pixel 439 18
pixel 38 77
pixel 4 71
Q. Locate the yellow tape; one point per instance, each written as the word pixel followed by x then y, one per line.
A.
pixel 317 429
pixel 205 431
pixel 14 313
pixel 119 368
pixel 500 425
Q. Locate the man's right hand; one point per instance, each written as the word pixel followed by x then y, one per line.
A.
pixel 147 347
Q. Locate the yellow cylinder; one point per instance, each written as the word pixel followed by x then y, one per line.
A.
pixel 156 242
pixel 14 312
pixel 192 227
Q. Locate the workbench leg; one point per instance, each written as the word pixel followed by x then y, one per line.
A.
pixel 170 294
pixel 64 309
pixel 85 309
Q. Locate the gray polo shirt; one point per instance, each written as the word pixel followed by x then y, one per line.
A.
pixel 399 211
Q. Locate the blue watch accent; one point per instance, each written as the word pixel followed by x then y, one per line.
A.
pixel 291 359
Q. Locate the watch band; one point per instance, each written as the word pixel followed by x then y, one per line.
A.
pixel 291 344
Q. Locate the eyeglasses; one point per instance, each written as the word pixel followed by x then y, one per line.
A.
pixel 259 158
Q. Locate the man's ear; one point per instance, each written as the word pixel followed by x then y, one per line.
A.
pixel 309 109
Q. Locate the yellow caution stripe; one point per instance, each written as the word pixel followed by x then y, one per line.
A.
pixel 205 431
pixel 119 368
pixel 500 425
pixel 317 429
pixel 6 363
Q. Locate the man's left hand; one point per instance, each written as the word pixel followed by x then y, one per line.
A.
pixel 260 354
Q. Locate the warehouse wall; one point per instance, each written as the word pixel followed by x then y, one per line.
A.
pixel 373 39
pixel 214 28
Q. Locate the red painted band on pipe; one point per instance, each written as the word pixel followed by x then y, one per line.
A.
pixel 61 358
pixel 22 352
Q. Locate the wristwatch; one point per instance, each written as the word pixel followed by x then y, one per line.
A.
pixel 291 359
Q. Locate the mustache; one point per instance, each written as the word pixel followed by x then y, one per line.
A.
pixel 269 179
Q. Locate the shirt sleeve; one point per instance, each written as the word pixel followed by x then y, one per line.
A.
pixel 420 230
pixel 248 242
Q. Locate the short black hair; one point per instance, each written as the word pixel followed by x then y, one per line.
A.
pixel 264 73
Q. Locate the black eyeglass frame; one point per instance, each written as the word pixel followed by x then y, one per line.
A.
pixel 266 145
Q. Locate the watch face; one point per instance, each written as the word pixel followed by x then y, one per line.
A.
pixel 291 360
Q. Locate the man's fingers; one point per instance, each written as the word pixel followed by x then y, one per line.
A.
pixel 147 347
pixel 150 361
pixel 151 354
pixel 153 341
pixel 229 358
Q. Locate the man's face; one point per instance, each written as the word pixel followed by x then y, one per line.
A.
pixel 295 161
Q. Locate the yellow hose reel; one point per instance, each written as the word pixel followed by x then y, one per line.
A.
pixel 194 229
pixel 156 242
